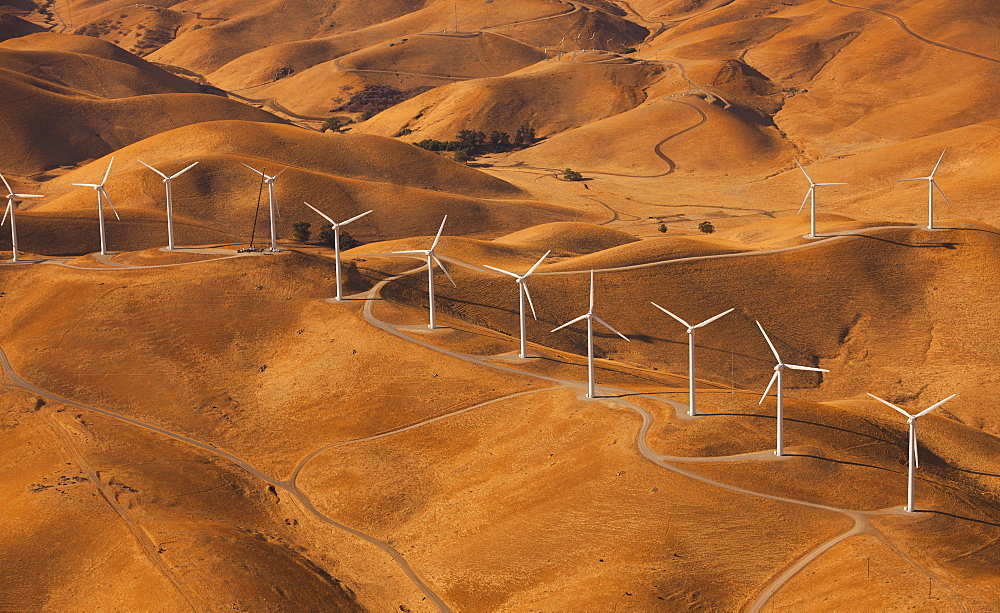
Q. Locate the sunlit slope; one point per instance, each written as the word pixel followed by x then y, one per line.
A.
pixel 897 310
pixel 409 189
pixel 421 61
pixel 552 97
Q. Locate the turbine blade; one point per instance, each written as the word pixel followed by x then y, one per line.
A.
pixel 6 211
pixel 805 200
pixel 107 172
pixel 321 213
pixel 355 218
pixel 256 171
pixel 710 320
pixel 151 168
pixel 932 407
pixel 827 184
pixel 916 449
pixel 608 326
pixel 938 188
pixel 803 171
pixel 767 391
pixel 7 185
pixel 769 343
pixel 938 162
pixel 527 295
pixel 913 179
pixel 501 270
pixel 443 269
pixel 412 252
pixel 572 321
pixel 591 291
pixel 438 236
pixel 95 186
pixel 183 171
pixel 27 196
pixel 683 323
pixel 279 172
pixel 890 405
pixel 532 269
pixel 809 368
pixel 112 204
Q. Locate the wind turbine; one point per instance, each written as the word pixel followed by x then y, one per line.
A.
pixel 692 411
pixel 432 258
pixel 101 192
pixel 522 290
pixel 170 200
pixel 778 370
pixel 931 186
pixel 10 210
pixel 272 202
pixel 913 461
pixel 591 317
pixel 811 196
pixel 336 239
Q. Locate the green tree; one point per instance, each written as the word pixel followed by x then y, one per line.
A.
pixel 525 135
pixel 301 231
pixel 463 155
pixel 348 242
pixel 499 140
pixel 332 124
pixel 662 228
pixel 706 227
pixel 467 139
pixel 327 235
pixel 572 175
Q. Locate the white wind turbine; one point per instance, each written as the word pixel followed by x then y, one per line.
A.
pixel 591 317
pixel 272 202
pixel 522 289
pixel 811 196
pixel 778 370
pixel 10 211
pixel 102 195
pixel 913 460
pixel 931 186
pixel 432 258
pixel 336 239
pixel 170 199
pixel 692 410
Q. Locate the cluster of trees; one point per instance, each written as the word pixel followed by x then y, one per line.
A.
pixel 302 231
pixel 470 143
pixel 374 99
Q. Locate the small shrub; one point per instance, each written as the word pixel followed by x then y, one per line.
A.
pixel 706 227
pixel 572 175
pixel 463 155
pixel 629 50
pixel 197 26
pixel 404 132
pixel 366 115
pixel 300 230
pixel 662 228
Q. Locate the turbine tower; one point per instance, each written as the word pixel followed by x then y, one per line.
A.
pixel 522 289
pixel 272 202
pixel 692 410
pixel 10 211
pixel 778 370
pixel 913 460
pixel 102 195
pixel 931 186
pixel 336 239
pixel 432 258
pixel 591 318
pixel 811 196
pixel 170 200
